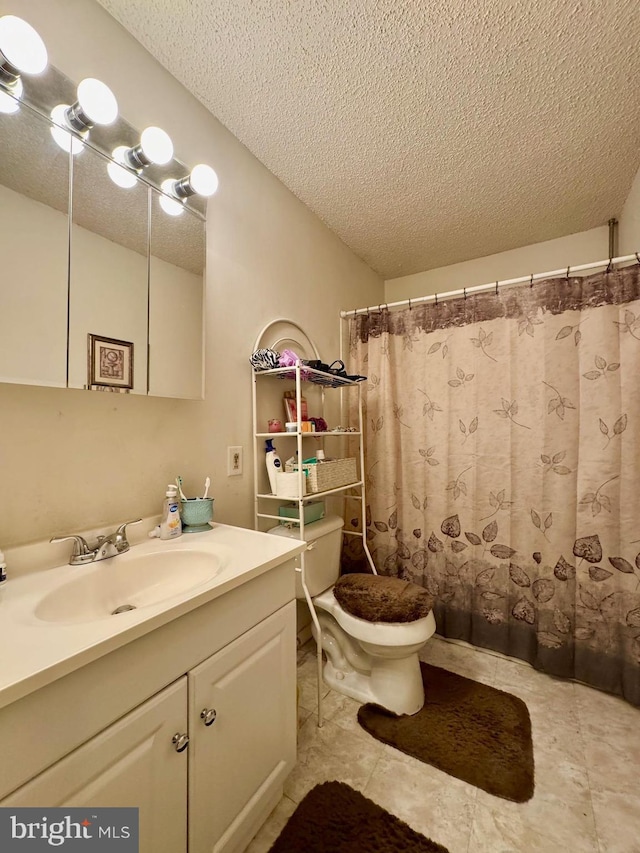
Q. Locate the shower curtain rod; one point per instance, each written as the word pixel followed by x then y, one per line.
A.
pixel 480 288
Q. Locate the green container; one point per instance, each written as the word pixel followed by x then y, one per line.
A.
pixel 196 513
pixel 312 511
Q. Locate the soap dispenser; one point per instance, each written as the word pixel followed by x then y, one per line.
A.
pixel 170 524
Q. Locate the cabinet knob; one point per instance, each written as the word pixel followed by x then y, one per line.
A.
pixel 208 716
pixel 181 742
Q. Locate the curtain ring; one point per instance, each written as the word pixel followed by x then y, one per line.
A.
pixel 567 277
pixel 464 292
pixel 531 281
pixel 608 269
pixel 497 283
pixel 409 305
pixel 436 295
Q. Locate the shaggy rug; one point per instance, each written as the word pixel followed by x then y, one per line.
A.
pixel 333 818
pixel 470 730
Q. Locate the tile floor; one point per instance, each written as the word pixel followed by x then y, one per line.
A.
pixel 587 766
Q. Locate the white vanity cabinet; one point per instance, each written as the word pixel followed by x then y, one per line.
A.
pixel 131 763
pixel 249 747
pixel 222 674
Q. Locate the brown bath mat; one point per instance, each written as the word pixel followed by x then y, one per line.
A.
pixel 333 818
pixel 470 730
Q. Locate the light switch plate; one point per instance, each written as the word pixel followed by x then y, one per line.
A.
pixel 234 461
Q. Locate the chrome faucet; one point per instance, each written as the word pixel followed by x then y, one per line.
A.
pixel 105 546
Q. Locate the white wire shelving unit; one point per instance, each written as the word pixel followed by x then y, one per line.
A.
pixel 302 376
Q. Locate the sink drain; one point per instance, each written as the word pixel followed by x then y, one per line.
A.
pixel 123 609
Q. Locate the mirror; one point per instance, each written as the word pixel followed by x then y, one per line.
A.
pixel 88 301
pixel 34 240
pixel 108 282
pixel 176 296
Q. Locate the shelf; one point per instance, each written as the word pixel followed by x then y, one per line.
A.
pixel 312 495
pixel 308 374
pixel 325 434
pixel 267 515
pixel 266 512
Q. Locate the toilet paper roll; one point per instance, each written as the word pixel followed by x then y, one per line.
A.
pixel 287 485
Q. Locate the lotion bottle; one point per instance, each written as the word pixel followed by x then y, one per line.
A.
pixel 274 465
pixel 171 525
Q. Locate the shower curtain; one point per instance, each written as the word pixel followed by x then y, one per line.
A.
pixel 502 436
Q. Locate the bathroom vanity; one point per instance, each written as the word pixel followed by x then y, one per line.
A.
pixel 183 707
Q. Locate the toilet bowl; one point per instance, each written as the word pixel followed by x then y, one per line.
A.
pixel 368 661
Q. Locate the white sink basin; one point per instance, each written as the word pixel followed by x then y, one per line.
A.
pixel 128 581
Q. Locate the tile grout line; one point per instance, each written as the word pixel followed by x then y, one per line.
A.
pixel 472 821
pixel 586 767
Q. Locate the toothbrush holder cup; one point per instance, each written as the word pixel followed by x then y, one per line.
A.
pixel 196 514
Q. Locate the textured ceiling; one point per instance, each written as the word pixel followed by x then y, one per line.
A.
pixel 423 132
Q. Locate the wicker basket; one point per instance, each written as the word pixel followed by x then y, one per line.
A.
pixel 328 475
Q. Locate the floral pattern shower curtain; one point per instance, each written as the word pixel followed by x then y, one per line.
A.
pixel 503 468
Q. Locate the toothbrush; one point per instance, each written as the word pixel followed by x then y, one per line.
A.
pixel 207 483
pixel 179 485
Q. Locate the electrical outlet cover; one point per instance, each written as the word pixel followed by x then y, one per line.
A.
pixel 234 461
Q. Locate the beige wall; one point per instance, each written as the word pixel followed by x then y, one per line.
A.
pixel 629 234
pixel 72 459
pixel 581 248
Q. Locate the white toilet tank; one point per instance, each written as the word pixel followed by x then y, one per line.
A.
pixel 322 557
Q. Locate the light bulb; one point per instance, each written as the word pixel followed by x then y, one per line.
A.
pixel 21 46
pixel 63 138
pixel 203 180
pixel 171 206
pixel 97 101
pixel 118 173
pixel 156 145
pixel 9 104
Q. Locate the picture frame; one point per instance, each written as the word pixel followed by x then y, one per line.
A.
pixel 110 363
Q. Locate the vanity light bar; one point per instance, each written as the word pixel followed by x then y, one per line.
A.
pixel 22 51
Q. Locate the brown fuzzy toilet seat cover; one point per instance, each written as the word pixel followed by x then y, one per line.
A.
pixel 378 598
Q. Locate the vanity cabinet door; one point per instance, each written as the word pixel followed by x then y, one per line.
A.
pixel 238 763
pixel 131 763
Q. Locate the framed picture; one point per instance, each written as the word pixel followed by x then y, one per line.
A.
pixel 110 362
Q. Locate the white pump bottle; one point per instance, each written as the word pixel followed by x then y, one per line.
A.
pixel 171 525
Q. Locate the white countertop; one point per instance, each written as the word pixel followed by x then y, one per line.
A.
pixel 37 652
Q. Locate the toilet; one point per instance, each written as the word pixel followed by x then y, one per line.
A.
pixel 366 660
